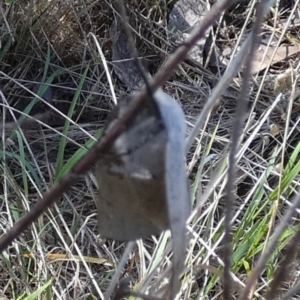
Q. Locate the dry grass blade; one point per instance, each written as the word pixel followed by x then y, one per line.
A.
pixel 106 69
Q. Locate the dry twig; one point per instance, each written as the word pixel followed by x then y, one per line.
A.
pixel 101 147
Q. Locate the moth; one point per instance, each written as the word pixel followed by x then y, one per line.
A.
pixel 142 168
pixel 142 182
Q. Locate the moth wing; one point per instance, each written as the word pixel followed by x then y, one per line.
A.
pixel 178 197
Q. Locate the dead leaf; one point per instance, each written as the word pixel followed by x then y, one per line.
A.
pixel 282 53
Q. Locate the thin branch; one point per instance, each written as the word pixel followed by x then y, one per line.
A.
pixel 283 271
pixel 242 102
pixel 291 292
pixel 120 126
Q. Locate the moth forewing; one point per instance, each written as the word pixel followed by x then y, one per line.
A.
pixel 131 180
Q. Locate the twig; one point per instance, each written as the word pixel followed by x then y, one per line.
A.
pixel 120 126
pixel 285 267
pixel 291 292
pixel 235 142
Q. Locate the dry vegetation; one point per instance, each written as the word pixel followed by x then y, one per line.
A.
pixel 48 42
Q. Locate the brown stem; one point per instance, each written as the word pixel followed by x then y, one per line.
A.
pixel 120 126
